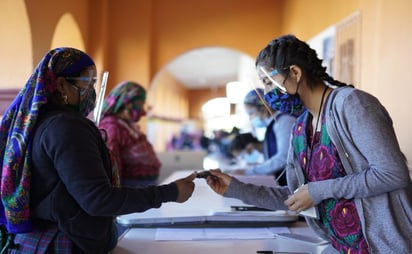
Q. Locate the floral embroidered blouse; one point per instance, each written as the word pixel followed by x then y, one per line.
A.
pixel 320 161
pixel 135 156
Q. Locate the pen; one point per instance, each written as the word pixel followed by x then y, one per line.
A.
pixel 248 208
pixel 280 252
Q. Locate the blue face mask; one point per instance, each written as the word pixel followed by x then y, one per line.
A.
pixel 285 103
pixel 255 157
pixel 257 122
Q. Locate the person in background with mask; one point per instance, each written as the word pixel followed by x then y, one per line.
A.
pixel 277 127
pixel 135 157
pixel 58 188
pixel 247 148
pixel 345 161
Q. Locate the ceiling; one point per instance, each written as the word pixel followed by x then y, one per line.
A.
pixel 208 67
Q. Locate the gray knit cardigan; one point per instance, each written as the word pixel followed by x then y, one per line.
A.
pixel 377 173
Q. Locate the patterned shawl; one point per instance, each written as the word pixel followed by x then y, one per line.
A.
pixel 122 94
pixel 15 133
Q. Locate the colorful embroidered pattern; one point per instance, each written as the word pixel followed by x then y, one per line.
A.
pixel 123 93
pixel 339 218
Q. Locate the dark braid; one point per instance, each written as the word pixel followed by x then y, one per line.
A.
pixel 288 50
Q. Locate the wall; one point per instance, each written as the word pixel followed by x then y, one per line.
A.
pixel 43 23
pixel 308 18
pixel 198 97
pixel 15 54
pixel 146 35
pixel 386 48
pixel 170 107
pixel 129 41
pixel 243 25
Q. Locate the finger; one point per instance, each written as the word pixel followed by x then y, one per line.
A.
pixel 212 182
pixel 212 179
pixel 292 203
pixel 295 207
pixel 290 200
pixel 216 172
pixel 190 177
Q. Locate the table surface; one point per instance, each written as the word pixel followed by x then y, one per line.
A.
pixel 143 240
pixel 203 202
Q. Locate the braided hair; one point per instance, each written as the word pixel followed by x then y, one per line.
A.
pixel 288 50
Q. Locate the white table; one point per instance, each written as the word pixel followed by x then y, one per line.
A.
pixel 142 241
pixel 203 201
pixel 203 205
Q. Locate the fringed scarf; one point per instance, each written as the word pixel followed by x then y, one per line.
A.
pixel 124 93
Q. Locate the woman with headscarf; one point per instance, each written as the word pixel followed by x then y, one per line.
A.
pixel 57 187
pixel 135 157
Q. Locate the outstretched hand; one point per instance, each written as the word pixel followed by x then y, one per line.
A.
pixel 218 181
pixel 185 188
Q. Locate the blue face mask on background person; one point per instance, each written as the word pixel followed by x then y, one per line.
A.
pixel 257 122
pixel 253 158
pixel 285 103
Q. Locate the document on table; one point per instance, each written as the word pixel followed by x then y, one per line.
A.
pixel 188 234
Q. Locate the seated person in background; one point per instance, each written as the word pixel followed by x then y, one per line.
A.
pixel 247 149
pixel 57 186
pixel 135 157
pixel 278 127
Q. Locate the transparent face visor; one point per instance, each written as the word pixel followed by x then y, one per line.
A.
pixel 100 91
pixel 266 77
pixel 249 104
pixel 85 82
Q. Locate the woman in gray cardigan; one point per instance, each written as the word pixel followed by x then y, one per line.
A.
pixel 345 169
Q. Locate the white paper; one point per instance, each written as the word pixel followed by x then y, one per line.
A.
pixel 191 234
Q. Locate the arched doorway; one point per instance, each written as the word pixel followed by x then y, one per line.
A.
pixel 181 88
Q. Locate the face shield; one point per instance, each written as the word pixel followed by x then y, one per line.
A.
pixel 266 75
pixel 101 89
pixel 276 95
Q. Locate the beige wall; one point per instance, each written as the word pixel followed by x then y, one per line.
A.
pixel 243 25
pixel 129 43
pixel 44 15
pixel 170 107
pixel 198 97
pixel 386 49
pixel 308 18
pixel 135 39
